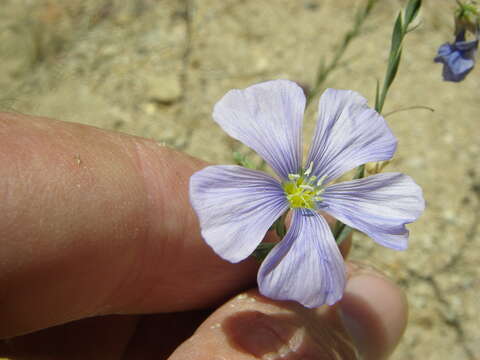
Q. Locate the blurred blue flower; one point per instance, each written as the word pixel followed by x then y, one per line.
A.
pixel 458 59
pixel 236 206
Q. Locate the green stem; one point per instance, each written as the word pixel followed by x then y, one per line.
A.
pixel 413 107
pixel 262 250
pixel 400 30
pixel 280 227
pixel 325 70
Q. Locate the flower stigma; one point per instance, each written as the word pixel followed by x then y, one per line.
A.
pixel 303 190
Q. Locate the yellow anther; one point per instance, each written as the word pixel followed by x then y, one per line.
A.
pixel 302 191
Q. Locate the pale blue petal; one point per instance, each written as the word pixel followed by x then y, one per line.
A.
pixel 379 206
pixel 236 207
pixel 306 266
pixel 348 134
pixel 267 117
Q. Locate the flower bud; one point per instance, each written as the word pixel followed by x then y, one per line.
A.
pixel 467 18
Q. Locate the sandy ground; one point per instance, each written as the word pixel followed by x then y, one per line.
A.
pixel 155 69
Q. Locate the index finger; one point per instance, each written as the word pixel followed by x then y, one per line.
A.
pixel 95 222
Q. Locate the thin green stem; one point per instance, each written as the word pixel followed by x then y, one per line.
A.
pixel 262 250
pixel 414 107
pixel 280 227
pixel 324 70
pixel 400 29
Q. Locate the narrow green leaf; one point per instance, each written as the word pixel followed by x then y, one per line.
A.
pixel 411 11
pixel 393 68
pixel 397 35
pixel 377 96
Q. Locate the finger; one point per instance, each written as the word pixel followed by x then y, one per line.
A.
pixel 103 338
pixel 107 337
pixel 95 222
pixel 157 336
pixel 374 310
pixel 370 319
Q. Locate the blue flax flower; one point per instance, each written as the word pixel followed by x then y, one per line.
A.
pixel 458 59
pixel 236 206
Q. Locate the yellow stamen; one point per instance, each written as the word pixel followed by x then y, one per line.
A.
pixel 303 191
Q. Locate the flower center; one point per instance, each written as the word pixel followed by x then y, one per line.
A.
pixel 303 190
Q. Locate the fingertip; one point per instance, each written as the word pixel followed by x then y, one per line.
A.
pixel 251 326
pixel 374 311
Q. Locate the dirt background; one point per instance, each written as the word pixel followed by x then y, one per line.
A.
pixel 156 68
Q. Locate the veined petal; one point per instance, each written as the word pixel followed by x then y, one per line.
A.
pixel 306 266
pixel 348 134
pixel 236 207
pixel 379 206
pixel 267 117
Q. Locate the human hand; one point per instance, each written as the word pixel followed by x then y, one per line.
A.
pixel 96 231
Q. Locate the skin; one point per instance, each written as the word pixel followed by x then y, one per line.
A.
pixel 97 232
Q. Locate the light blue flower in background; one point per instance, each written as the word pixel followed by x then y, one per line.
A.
pixel 236 206
pixel 458 59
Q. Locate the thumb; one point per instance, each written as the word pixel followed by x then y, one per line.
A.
pixel 368 322
pixel 374 311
